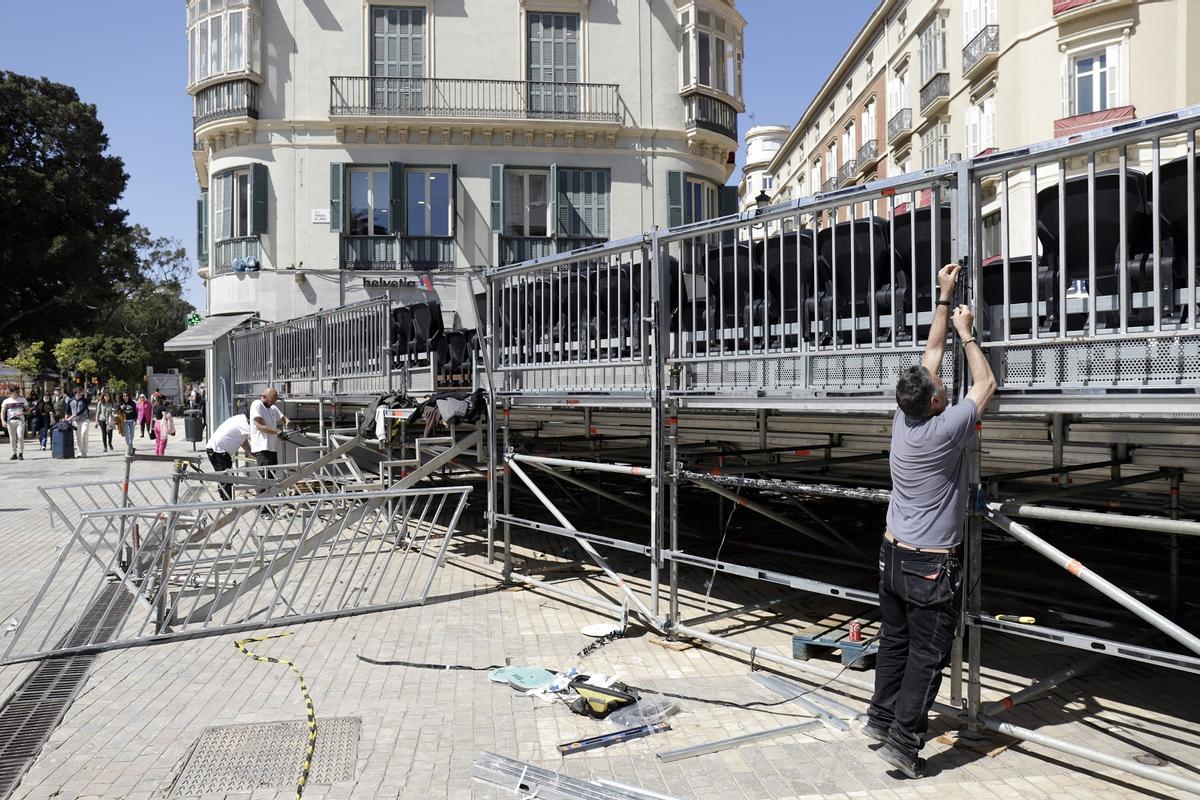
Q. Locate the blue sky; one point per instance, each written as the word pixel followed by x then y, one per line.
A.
pixel 133 66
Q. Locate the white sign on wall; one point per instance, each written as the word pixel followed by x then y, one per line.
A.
pixel 320 216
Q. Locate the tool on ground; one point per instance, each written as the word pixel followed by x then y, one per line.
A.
pixel 310 748
pixel 616 737
pixel 736 741
pixel 598 701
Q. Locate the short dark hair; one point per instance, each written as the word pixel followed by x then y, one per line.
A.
pixel 914 390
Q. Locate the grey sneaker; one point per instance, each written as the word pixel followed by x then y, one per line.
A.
pixel 875 732
pixel 912 767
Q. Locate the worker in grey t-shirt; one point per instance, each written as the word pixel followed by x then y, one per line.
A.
pixel 919 566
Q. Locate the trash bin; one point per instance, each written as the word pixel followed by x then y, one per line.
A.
pixel 193 426
pixel 62 441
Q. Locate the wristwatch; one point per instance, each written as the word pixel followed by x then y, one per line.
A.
pixel 945 303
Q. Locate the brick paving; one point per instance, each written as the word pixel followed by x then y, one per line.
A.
pixel 131 729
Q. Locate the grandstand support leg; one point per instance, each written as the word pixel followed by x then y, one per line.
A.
pixel 491 481
pixel 652 253
pixel 1059 440
pixel 506 488
pixel 673 468
pixel 1173 545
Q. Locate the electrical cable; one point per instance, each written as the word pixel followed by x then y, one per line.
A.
pixel 712 578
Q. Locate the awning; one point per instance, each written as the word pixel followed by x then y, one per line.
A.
pixel 202 336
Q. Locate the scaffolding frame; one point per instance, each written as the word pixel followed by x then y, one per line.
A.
pixel 1064 334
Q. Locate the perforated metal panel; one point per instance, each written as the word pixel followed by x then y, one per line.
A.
pixel 1165 361
pixel 242 758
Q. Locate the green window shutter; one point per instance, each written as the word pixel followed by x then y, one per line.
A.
pixel 497 198
pixel 727 200
pixel 258 198
pixel 396 221
pixel 202 227
pixel 603 203
pixel 337 186
pixel 674 198
pixel 454 200
pixel 563 189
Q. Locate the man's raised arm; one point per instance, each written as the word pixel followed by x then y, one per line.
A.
pixel 936 346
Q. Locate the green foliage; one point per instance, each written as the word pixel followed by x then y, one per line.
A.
pixel 116 385
pixel 30 358
pixel 67 245
pixel 118 356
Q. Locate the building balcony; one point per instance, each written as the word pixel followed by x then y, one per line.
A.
pixel 515 249
pixel 223 101
pixel 240 254
pixel 1072 9
pixel 982 51
pixel 900 125
pixel 847 172
pixel 935 93
pixel 829 185
pixel 708 113
pixel 868 155
pixel 392 253
pixel 462 98
pixel 1070 126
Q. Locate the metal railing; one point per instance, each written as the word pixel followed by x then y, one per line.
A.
pixel 573 320
pixel 226 251
pixel 359 96
pixel 847 172
pixel 226 101
pixel 868 154
pixel 515 249
pixel 825 298
pixel 829 185
pixel 391 252
pixel 985 43
pixel 935 90
pixel 899 124
pixel 344 349
pixel 710 114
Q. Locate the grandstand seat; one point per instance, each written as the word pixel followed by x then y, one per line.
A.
pixel 859 243
pixel 402 330
pixel 912 241
pixel 1172 208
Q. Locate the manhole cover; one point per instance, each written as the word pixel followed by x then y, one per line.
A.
pixel 242 758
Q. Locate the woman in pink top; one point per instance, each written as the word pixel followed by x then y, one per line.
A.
pixel 144 419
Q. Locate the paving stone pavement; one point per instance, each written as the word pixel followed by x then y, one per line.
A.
pixel 418 679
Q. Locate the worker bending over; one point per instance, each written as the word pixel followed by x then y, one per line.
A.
pixel 919 560
pixel 226 439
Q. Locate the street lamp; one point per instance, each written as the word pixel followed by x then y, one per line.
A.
pixel 761 201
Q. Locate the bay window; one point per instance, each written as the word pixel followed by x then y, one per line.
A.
pixel 699 200
pixel 223 38
pixel 935 144
pixel 933 49
pixel 711 51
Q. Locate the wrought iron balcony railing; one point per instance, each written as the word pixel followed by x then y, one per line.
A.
pixel 515 249
pixel 900 124
pixel 226 101
pixel 711 114
pixel 391 252
pixel 829 185
pixel 935 90
pixel 355 96
pixel 868 154
pixel 847 171
pixel 979 50
pixel 243 250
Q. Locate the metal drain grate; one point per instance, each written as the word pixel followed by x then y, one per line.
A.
pixel 242 758
pixel 34 710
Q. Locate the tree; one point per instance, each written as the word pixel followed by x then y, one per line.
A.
pixel 65 244
pixel 117 356
pixel 30 358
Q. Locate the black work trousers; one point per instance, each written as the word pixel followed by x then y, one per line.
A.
pixel 266 458
pixel 221 462
pixel 919 607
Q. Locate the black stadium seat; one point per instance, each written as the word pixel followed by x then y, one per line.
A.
pixel 1173 227
pixel 858 243
pixel 919 265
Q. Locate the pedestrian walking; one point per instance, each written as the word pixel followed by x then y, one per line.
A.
pixel 144 418
pixel 79 413
pixel 127 418
pixel 226 439
pixel 919 561
pixel 267 421
pixel 13 411
pixel 106 418
pixel 40 415
pixel 59 401
pixel 164 425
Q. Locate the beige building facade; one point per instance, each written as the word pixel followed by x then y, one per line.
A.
pixel 925 79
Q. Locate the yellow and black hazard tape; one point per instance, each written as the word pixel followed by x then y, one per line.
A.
pixel 306 765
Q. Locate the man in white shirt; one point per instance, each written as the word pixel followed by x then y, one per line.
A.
pixel 226 439
pixel 266 426
pixel 13 410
